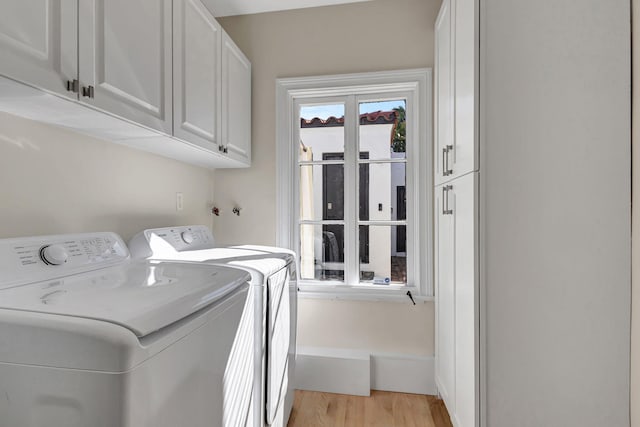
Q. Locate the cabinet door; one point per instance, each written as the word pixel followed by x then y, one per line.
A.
pixel 125 57
pixel 444 126
pixel 463 156
pixel 196 67
pixel 463 204
pixel 445 297
pixel 236 102
pixel 39 43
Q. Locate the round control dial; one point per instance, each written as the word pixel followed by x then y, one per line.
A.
pixel 54 254
pixel 188 237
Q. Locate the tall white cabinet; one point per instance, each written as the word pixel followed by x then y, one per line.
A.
pixel 532 199
pixel 456 215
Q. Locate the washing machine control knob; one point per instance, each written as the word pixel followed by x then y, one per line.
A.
pixel 54 254
pixel 188 237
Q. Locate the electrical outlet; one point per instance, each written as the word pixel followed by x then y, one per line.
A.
pixel 179 202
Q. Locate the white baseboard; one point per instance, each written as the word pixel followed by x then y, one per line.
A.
pixel 403 373
pixel 333 371
pixel 356 372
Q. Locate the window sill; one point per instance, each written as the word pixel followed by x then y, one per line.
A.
pixel 396 294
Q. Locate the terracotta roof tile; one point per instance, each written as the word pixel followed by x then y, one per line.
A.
pixel 374 118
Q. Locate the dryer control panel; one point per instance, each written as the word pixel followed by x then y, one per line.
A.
pixel 165 241
pixel 32 259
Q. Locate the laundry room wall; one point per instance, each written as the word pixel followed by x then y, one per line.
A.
pixel 53 180
pixel 369 36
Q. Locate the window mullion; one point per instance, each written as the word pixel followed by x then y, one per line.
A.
pixel 351 191
pixel 295 205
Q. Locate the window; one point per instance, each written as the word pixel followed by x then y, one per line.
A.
pixel 354 180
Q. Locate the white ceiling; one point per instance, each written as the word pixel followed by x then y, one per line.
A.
pixel 245 7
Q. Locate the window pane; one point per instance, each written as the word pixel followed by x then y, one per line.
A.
pixel 322 252
pixel 321 192
pixel 383 129
pixel 383 191
pixel 383 254
pixel 321 131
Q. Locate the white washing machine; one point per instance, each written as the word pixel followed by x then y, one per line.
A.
pixel 89 338
pixel 274 286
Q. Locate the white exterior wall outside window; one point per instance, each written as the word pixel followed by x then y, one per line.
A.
pixel 383 182
pixel 353 149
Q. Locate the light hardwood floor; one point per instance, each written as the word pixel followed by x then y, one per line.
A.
pixel 384 409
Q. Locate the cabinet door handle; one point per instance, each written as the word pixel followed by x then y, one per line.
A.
pixel 445 200
pixel 73 85
pixel 88 91
pixel 444 163
pixel 446 171
pixel 444 197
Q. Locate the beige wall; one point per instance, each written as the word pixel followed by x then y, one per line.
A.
pixel 377 326
pixel 370 36
pixel 635 225
pixel 56 181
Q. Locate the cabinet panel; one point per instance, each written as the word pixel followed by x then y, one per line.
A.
pixel 456 284
pixel 555 212
pixel 443 91
pixel 39 43
pixel 197 42
pixel 463 156
pixel 445 298
pixel 455 90
pixel 463 203
pixel 125 55
pixel 236 101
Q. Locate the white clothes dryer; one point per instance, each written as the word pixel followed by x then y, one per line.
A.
pixel 90 338
pixel 274 286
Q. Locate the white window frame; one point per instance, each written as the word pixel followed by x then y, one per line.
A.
pixel 416 87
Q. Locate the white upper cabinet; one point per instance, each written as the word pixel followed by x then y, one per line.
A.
pixel 444 126
pixel 39 43
pixel 125 57
pixel 156 75
pixel 197 40
pixel 456 90
pixel 236 102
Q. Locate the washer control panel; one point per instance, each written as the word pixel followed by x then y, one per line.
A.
pixel 54 254
pixel 30 259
